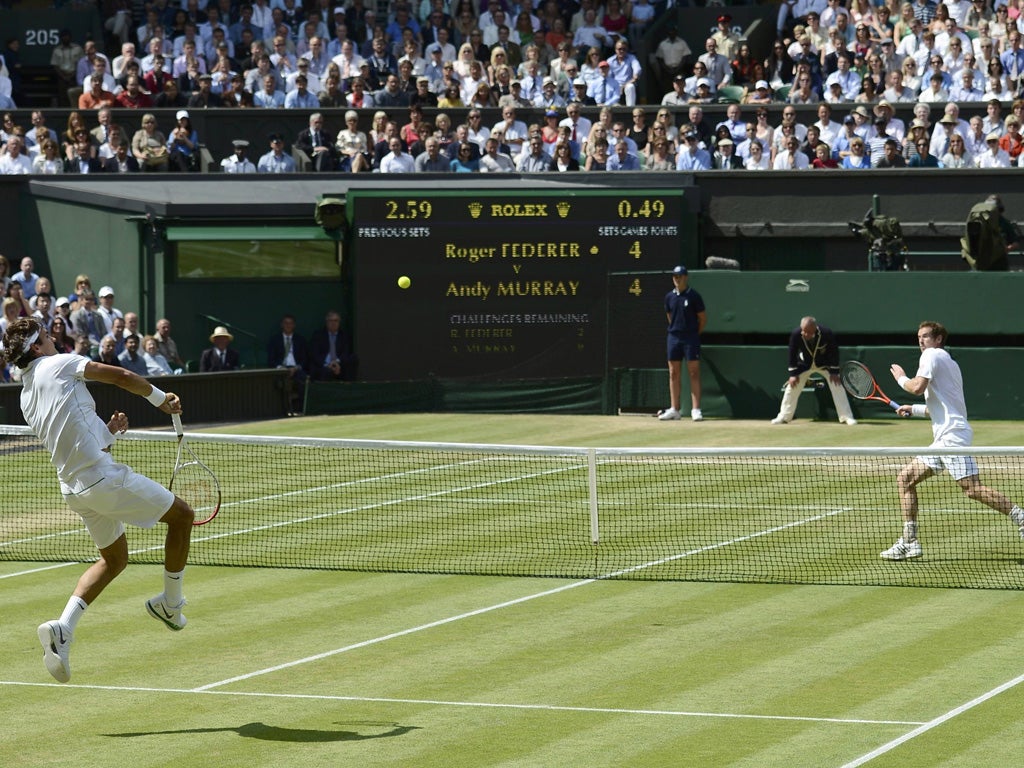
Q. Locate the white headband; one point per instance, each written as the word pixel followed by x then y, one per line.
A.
pixel 29 342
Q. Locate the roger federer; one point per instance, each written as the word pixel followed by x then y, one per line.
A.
pixel 939 379
pixel 60 410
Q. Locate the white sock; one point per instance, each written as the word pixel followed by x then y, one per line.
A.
pixel 173 587
pixel 909 531
pixel 1017 515
pixel 73 612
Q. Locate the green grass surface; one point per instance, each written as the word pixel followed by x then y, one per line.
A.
pixel 296 667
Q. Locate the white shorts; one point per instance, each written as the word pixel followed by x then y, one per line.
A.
pixel 958 467
pixel 118 496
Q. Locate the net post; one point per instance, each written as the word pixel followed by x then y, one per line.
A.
pixel 592 494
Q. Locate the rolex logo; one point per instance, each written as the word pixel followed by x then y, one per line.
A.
pixel 563 209
pixel 475 209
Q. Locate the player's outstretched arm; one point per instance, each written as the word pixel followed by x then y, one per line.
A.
pixel 132 382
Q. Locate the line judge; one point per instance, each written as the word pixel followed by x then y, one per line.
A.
pixel 813 349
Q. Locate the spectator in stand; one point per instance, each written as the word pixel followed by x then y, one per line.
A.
pixel 330 352
pixel 220 356
pixel 64 59
pixel 97 96
pixel 269 97
pixel 691 157
pixel 288 350
pixel 26 278
pixel 237 162
pixel 167 346
pixel 183 145
pixel 1011 141
pixel 429 161
pixel 130 357
pixel 957 156
pixel 276 161
pixel 48 161
pixel 670 59
pixel 149 146
pixel 87 322
pixel 107 310
pixel 156 364
pixel 15 161
pixel 397 160
pixel 204 97
pixel 790 158
pixel 995 156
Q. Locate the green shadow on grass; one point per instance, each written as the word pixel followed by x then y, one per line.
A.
pixel 266 732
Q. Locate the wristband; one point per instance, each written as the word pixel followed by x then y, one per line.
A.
pixel 902 381
pixel 157 397
pixel 918 410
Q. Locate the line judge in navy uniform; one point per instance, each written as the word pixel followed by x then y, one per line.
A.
pixel 684 309
pixel 813 349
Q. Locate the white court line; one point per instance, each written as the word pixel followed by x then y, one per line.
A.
pixel 508 603
pixel 474 704
pixel 925 727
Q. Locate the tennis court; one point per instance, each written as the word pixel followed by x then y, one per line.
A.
pixel 287 666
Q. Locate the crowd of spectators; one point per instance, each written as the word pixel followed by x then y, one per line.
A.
pixel 86 322
pixel 386 70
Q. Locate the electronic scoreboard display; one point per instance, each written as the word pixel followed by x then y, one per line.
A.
pixel 501 284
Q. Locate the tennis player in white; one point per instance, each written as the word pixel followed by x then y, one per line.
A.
pixel 106 495
pixel 939 379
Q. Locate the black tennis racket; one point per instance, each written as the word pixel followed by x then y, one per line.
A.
pixel 859 382
pixel 193 481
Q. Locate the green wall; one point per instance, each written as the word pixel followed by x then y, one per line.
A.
pixel 852 303
pixel 102 244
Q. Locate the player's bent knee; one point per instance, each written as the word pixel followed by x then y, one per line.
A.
pixel 179 514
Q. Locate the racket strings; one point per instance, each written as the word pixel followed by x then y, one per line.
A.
pixel 858 380
pixel 195 484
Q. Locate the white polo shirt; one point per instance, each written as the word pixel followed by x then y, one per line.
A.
pixel 60 410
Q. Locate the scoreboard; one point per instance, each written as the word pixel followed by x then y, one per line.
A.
pixel 504 284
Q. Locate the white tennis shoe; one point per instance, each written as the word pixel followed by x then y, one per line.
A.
pixel 851 422
pixel 779 420
pixel 902 550
pixel 696 415
pixel 670 414
pixel 171 616
pixel 56 641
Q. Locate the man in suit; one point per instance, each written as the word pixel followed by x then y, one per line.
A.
pixel 219 357
pixel 86 322
pixel 83 161
pixel 316 143
pixel 725 158
pixel 121 162
pixel 330 352
pixel 288 350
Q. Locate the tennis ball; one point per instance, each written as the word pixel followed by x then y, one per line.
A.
pixel 404 282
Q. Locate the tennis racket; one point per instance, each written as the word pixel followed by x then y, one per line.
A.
pixel 193 481
pixel 859 382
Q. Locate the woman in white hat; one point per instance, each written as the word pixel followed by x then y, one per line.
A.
pixel 181 144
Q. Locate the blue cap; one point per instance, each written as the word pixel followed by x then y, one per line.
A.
pixel 680 270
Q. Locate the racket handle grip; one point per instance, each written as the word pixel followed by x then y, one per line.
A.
pixel 176 421
pixel 894 405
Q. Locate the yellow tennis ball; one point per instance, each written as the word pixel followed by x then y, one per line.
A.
pixel 404 282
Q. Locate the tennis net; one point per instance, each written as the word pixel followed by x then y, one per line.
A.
pixel 811 516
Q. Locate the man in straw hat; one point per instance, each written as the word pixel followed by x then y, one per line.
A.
pixel 219 357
